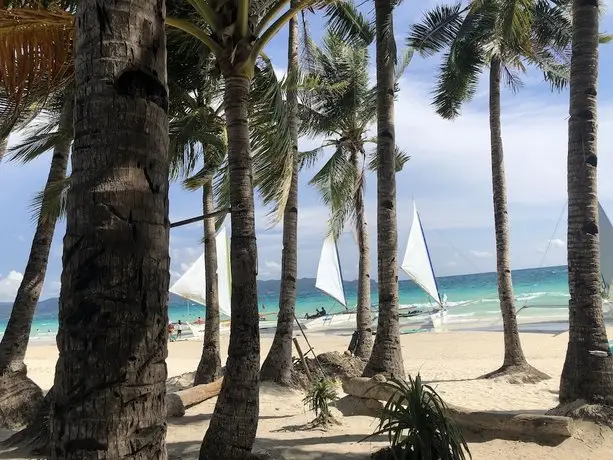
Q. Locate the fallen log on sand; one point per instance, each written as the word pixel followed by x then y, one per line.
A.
pixel 540 428
pixel 176 403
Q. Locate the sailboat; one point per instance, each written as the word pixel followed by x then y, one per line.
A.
pixel 418 265
pixel 192 285
pixel 330 282
pixel 605 234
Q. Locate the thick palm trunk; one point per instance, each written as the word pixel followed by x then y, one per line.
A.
pixel 111 373
pixel 234 423
pixel 386 356
pixel 19 396
pixel 209 367
pixel 586 375
pixel 363 313
pixel 514 359
pixel 277 366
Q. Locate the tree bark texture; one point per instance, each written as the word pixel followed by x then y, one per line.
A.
pixel 19 396
pixel 363 311
pixel 110 376
pixel 278 364
pixel 234 422
pixel 386 356
pixel 513 353
pixel 209 368
pixel 588 368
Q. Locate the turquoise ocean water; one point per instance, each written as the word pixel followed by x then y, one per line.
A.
pixel 541 293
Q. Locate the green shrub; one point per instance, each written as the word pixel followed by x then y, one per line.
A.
pixel 318 399
pixel 418 426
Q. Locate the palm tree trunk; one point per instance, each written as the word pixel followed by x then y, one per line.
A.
pixel 234 423
pixel 585 375
pixel 386 356
pixel 19 396
pixel 209 367
pixel 111 373
pixel 363 313
pixel 514 359
pixel 278 364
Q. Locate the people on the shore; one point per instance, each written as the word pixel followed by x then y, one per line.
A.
pixel 179 329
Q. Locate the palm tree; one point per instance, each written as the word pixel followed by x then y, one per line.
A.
pixel 341 106
pixel 587 375
pixel 279 183
pixel 504 36
pixel 110 376
pixel 252 24
pixel 21 397
pixel 278 364
pixel 386 356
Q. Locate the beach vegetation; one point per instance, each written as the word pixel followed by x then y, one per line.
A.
pixel 319 398
pixel 417 424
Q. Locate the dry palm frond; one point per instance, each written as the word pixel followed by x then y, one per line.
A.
pixel 36 60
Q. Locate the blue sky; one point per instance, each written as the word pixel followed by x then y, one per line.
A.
pixel 448 175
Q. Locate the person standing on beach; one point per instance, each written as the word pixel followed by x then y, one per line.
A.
pixel 179 329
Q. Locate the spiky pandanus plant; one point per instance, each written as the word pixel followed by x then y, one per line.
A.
pixel 503 37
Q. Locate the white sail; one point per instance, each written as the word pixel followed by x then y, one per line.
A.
pixel 224 274
pixel 192 285
pixel 329 276
pixel 416 262
pixel 606 246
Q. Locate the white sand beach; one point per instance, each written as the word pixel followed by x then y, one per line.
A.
pixel 449 361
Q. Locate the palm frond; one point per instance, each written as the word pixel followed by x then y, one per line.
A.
pixel 406 55
pixel 438 29
pixel 50 203
pixel 400 159
pixel 35 57
pixel 345 21
pixel 458 77
pixel 515 18
pixel 272 158
pixel 307 159
pixel 511 79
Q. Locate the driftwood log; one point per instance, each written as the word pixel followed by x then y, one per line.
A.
pixel 177 402
pixel 365 394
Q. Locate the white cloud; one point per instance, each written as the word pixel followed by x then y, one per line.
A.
pixel 271 264
pixel 481 254
pixel 553 244
pixel 557 243
pixel 21 239
pixel 9 286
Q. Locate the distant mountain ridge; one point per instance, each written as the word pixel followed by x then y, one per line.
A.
pixel 51 306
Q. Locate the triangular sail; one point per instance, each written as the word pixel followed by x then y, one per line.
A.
pixel 329 276
pixel 224 275
pixel 605 234
pixel 192 285
pixel 417 263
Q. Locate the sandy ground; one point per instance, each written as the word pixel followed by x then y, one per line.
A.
pixel 449 361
